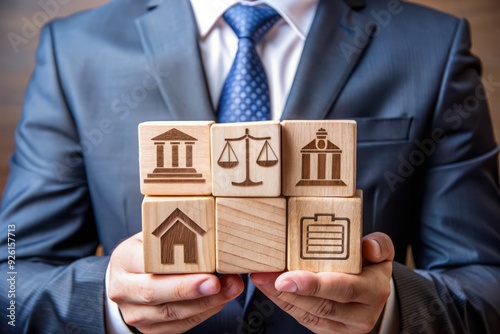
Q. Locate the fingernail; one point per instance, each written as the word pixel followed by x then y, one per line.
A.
pixel 376 247
pixel 287 286
pixel 207 288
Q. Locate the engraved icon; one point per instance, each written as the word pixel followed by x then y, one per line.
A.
pixel 326 156
pixel 178 229
pixel 324 237
pixel 228 158
pixel 179 171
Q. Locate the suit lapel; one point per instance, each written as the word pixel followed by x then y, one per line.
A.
pixel 331 52
pixel 168 34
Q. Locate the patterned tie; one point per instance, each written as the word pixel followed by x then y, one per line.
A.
pixel 244 98
pixel 245 95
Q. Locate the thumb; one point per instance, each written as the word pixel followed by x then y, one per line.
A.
pixel 377 247
pixel 128 256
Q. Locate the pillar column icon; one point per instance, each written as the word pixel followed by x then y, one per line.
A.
pixel 178 171
pixel 174 158
pixel 327 159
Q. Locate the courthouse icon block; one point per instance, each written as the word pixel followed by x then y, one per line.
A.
pixel 324 233
pixel 175 158
pixel 178 234
pixel 319 158
pixel 251 234
pixel 246 159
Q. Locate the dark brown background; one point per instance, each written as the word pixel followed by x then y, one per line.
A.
pixel 15 67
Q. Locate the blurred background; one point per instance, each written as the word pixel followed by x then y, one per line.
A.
pixel 16 63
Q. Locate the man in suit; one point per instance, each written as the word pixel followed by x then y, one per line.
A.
pixel 427 163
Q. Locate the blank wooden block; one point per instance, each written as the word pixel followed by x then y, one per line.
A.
pixel 251 234
pixel 319 158
pixel 174 158
pixel 179 234
pixel 246 159
pixel 324 234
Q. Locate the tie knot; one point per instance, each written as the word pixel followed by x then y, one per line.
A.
pixel 251 22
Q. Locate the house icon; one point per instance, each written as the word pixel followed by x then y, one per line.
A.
pixel 178 229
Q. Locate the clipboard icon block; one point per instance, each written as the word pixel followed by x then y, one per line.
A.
pixel 324 234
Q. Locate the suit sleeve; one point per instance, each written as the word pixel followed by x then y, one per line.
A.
pixel 46 205
pixel 457 243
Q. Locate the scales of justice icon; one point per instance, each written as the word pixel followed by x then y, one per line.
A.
pixel 266 157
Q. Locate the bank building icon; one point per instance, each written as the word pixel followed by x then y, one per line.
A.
pixel 326 156
pixel 180 170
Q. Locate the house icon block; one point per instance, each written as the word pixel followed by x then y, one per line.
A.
pixel 179 234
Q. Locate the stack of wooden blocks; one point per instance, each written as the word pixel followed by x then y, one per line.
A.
pixel 250 197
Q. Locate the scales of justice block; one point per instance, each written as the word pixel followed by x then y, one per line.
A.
pixel 246 159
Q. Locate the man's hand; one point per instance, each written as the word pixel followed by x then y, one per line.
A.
pixel 164 303
pixel 335 302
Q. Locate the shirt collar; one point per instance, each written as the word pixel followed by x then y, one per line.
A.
pixel 299 14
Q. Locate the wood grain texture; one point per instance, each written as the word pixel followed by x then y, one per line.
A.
pixel 250 235
pixel 179 234
pixel 17 66
pixel 319 158
pixel 324 233
pixel 246 159
pixel 174 158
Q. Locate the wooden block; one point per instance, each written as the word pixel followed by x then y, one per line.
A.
pixel 319 158
pixel 246 159
pixel 250 234
pixel 174 158
pixel 179 234
pixel 324 233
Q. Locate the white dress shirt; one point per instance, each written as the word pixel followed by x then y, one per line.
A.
pixel 280 50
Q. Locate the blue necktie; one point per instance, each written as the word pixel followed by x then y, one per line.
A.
pixel 245 95
pixel 244 98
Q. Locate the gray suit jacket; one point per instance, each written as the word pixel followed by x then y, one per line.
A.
pixel 427 160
